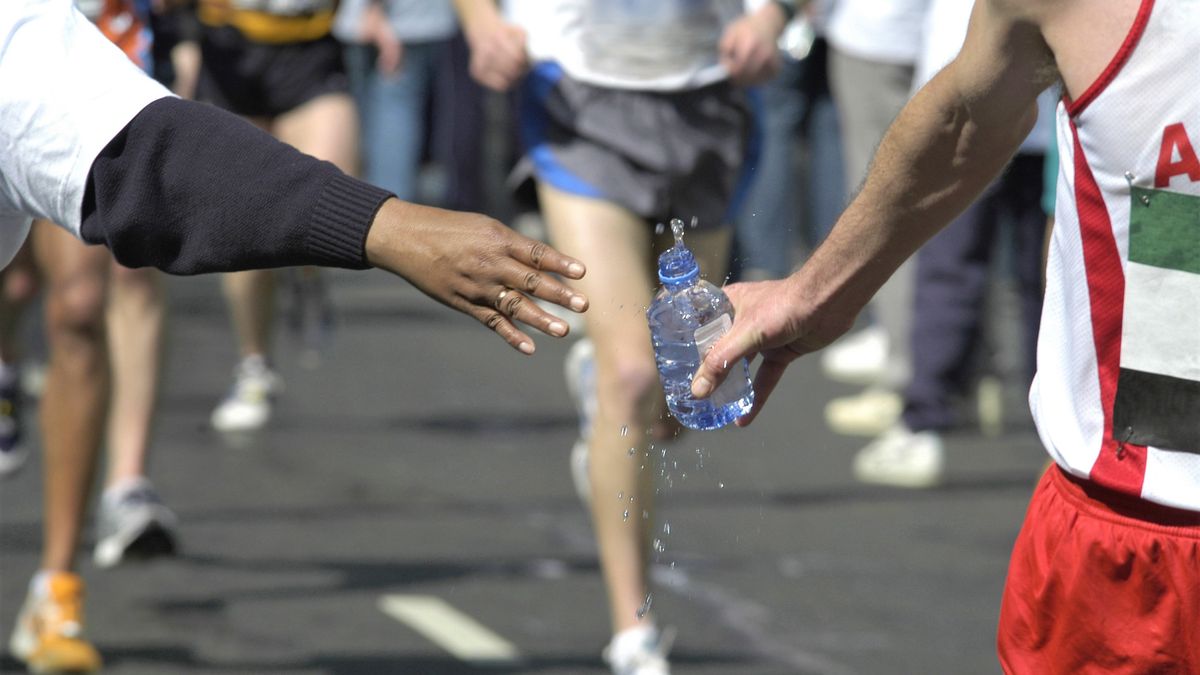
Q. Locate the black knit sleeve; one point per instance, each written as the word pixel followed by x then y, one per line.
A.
pixel 188 188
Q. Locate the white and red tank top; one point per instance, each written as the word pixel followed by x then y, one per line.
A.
pixel 1117 395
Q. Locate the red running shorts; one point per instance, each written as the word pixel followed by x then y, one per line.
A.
pixel 1101 582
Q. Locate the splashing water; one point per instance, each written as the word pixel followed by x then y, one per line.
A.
pixel 641 612
pixel 677 228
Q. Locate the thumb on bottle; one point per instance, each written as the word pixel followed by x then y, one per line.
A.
pixel 716 365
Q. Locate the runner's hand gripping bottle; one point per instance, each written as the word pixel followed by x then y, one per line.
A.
pixel 687 318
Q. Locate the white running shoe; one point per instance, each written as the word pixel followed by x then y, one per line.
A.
pixel 580 369
pixel 868 413
pixel 248 405
pixel 641 650
pixel 858 358
pixel 133 522
pixel 989 406
pixel 902 458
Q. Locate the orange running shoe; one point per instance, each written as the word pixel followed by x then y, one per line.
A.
pixel 49 633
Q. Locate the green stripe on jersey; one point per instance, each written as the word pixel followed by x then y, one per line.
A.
pixel 1164 229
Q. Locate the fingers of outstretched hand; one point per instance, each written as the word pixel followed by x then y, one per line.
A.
pixel 534 259
pixel 542 256
pixel 496 321
pixel 517 306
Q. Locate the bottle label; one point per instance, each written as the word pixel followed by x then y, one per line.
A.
pixel 708 334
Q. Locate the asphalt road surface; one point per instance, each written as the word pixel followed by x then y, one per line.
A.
pixel 410 510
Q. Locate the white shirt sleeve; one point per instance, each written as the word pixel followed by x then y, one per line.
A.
pixel 65 92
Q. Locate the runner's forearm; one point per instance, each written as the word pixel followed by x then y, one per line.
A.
pixel 945 147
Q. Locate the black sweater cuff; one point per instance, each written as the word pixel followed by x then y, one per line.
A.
pixel 188 188
pixel 341 219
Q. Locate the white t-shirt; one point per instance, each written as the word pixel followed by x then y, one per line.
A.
pixel 888 31
pixel 65 92
pixel 656 45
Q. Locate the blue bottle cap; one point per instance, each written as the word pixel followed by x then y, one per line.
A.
pixel 677 266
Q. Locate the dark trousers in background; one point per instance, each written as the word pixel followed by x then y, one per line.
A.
pixel 459 129
pixel 953 272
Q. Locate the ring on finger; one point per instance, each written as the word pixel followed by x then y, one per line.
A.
pixel 500 298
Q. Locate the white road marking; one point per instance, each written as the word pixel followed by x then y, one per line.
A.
pixel 465 638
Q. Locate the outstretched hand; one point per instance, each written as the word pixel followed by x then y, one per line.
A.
pixel 773 320
pixel 476 265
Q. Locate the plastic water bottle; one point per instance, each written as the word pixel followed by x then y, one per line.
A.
pixel 687 318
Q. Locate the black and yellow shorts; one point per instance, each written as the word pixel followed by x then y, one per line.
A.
pixel 257 79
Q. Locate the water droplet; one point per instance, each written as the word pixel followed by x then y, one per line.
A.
pixel 660 228
pixel 621 495
pixel 1146 200
pixel 645 515
pixel 666 528
pixel 720 486
pixel 626 516
pixel 624 430
pixel 645 606
pixel 631 499
pixel 725 363
pixel 695 221
pixel 658 545
pixel 632 452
